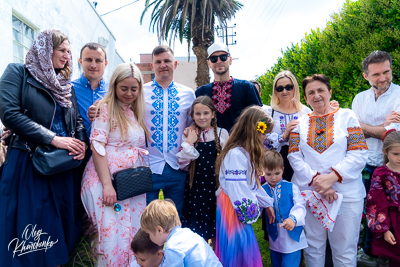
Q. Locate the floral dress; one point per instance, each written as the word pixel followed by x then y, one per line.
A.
pixel 116 230
pixel 383 212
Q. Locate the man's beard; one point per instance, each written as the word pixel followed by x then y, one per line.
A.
pixel 381 88
pixel 222 72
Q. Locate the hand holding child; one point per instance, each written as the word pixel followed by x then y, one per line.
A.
pixel 192 136
pixel 271 214
pixel 187 129
pixel 389 237
pixel 288 224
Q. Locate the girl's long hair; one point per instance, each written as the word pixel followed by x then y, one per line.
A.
pixel 244 134
pixel 296 97
pixel 391 140
pixel 205 100
pixel 115 114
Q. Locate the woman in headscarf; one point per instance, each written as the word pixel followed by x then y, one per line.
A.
pixel 39 220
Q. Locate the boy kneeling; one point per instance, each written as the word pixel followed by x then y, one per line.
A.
pixel 183 247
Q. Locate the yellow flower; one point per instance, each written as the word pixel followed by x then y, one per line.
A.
pixel 261 127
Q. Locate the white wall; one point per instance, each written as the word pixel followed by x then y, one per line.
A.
pixel 77 19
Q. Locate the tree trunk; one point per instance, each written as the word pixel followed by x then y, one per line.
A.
pixel 202 38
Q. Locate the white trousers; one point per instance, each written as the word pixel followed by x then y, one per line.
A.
pixel 343 239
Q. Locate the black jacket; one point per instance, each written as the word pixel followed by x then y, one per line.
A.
pixel 27 108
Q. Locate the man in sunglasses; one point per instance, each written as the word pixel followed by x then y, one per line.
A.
pixel 230 96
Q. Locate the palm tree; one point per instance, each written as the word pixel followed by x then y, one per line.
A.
pixel 192 20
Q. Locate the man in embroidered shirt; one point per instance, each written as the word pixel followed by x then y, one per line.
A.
pixel 90 87
pixel 230 96
pixel 167 115
pixel 375 110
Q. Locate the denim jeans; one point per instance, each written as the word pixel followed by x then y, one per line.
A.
pixel 172 182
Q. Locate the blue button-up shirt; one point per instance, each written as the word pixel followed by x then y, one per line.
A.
pixel 86 97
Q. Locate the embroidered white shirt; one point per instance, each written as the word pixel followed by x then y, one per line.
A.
pixel 281 120
pixel 373 113
pixel 322 144
pixel 167 116
pixel 284 243
pixel 189 152
pixel 235 179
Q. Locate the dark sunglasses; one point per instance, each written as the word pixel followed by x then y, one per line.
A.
pixel 223 58
pixel 288 87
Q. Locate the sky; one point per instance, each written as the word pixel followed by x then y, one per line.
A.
pixel 263 29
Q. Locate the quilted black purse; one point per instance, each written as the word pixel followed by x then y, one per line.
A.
pixel 134 181
pixel 48 160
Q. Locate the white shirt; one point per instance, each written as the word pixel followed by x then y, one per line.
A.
pixel 167 116
pixel 275 138
pixel 189 152
pixel 341 147
pixel 373 113
pixel 284 243
pixel 186 248
pixel 235 178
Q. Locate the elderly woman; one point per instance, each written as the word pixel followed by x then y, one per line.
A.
pixel 327 152
pixel 117 138
pixel 40 220
pixel 285 110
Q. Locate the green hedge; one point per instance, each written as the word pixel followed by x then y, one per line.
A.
pixel 359 28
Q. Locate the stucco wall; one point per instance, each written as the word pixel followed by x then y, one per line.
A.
pixel 76 18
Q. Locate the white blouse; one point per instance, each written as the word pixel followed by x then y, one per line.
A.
pixel 235 179
pixel 188 152
pixel 281 119
pixel 284 243
pixel 333 142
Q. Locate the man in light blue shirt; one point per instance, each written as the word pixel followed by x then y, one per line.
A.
pixel 90 87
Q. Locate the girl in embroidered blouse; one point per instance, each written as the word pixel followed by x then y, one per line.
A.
pixel 117 138
pixel 327 151
pixel 383 201
pixel 198 152
pixel 239 204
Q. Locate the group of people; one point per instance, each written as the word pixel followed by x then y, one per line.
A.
pixel 221 158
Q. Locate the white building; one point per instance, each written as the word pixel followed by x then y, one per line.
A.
pixel 22 20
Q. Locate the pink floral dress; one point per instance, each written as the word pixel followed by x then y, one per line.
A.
pixel 116 230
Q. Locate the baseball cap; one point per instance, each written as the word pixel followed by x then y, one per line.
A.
pixel 217 47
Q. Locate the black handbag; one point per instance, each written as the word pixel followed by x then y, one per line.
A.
pixel 48 160
pixel 134 181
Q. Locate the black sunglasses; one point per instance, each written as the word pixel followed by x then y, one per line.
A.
pixel 223 58
pixel 288 87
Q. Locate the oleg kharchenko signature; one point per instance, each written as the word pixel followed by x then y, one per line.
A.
pixel 24 246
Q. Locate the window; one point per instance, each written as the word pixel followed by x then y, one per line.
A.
pixel 23 36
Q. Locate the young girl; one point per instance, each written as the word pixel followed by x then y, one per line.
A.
pixel 199 151
pixel 241 199
pixel 383 201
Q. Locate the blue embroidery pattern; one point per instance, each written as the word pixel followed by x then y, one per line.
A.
pixel 157 120
pixel 236 172
pixel 173 113
pixel 236 179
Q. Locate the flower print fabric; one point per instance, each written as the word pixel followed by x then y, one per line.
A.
pixel 383 211
pixel 116 230
pixel 235 179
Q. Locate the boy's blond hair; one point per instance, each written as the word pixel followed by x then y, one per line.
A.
pixel 272 160
pixel 160 213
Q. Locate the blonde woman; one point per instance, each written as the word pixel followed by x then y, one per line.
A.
pixel 285 110
pixel 117 138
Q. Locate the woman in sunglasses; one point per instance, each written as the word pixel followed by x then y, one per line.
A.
pixel 285 110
